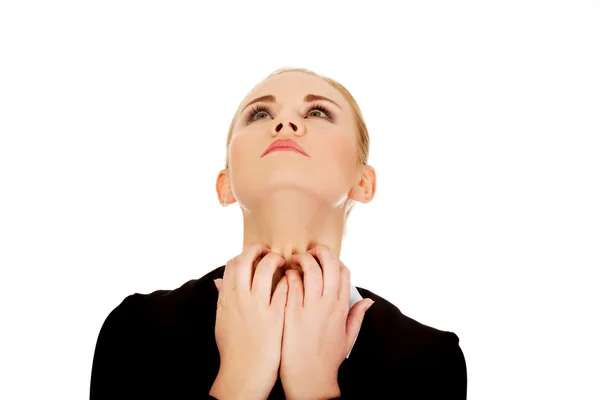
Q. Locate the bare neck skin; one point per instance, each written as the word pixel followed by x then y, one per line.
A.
pixel 291 222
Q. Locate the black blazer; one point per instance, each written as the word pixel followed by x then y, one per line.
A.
pixel 162 346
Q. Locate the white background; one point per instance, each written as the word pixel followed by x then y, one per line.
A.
pixel 484 120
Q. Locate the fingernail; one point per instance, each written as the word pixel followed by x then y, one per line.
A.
pixel 369 306
pixel 216 284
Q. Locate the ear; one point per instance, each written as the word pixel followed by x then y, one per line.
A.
pixel 223 186
pixel 365 189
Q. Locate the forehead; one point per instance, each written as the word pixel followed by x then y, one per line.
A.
pixel 293 86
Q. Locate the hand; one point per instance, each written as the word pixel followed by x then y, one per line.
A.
pixel 249 325
pixel 319 329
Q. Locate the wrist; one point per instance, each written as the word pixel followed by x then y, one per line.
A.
pixel 221 389
pixel 314 390
pixel 227 386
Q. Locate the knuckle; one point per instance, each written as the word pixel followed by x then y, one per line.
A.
pixel 257 246
pixel 324 248
pixel 254 247
pixel 272 257
pixel 320 248
pixel 268 261
pixel 293 276
pixel 306 260
pixel 303 256
pixel 295 281
pixel 309 257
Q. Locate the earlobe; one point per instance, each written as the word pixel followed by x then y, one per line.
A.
pixel 365 189
pixel 223 188
pixel 372 181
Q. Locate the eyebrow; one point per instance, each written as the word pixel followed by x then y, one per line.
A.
pixel 308 98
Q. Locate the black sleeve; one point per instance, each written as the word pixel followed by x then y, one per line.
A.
pixel 122 356
pixel 449 381
pixel 115 365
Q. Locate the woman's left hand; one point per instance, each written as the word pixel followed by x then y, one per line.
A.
pixel 319 328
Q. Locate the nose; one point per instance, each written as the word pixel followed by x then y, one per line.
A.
pixel 296 128
pixel 280 126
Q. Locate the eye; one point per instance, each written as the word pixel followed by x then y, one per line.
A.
pixel 321 109
pixel 256 111
pixel 259 109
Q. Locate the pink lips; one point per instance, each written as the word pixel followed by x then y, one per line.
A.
pixel 284 144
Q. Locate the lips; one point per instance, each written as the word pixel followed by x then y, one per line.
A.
pixel 284 144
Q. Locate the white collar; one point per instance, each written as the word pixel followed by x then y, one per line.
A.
pixel 354 298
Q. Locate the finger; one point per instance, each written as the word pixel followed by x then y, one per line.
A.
pixel 295 297
pixel 244 265
pixel 355 320
pixel 219 284
pixel 330 265
pixel 344 292
pixel 280 295
pixel 228 281
pixel 313 276
pixel 262 281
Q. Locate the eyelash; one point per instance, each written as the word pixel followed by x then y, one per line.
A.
pixel 260 108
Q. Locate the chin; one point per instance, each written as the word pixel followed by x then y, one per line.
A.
pixel 253 184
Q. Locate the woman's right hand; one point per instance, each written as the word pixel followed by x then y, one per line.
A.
pixel 249 324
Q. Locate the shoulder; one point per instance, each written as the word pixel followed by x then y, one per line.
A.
pixel 164 307
pixel 396 336
pixel 403 346
pixel 147 331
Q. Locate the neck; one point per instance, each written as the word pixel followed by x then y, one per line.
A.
pixel 291 223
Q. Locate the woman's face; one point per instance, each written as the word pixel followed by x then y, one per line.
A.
pixel 329 168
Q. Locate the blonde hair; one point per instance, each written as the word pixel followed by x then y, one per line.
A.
pixel 361 127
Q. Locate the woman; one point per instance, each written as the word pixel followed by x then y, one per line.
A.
pixel 281 319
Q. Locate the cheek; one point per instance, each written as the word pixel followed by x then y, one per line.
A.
pixel 341 150
pixel 244 163
pixel 233 151
pixel 239 149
